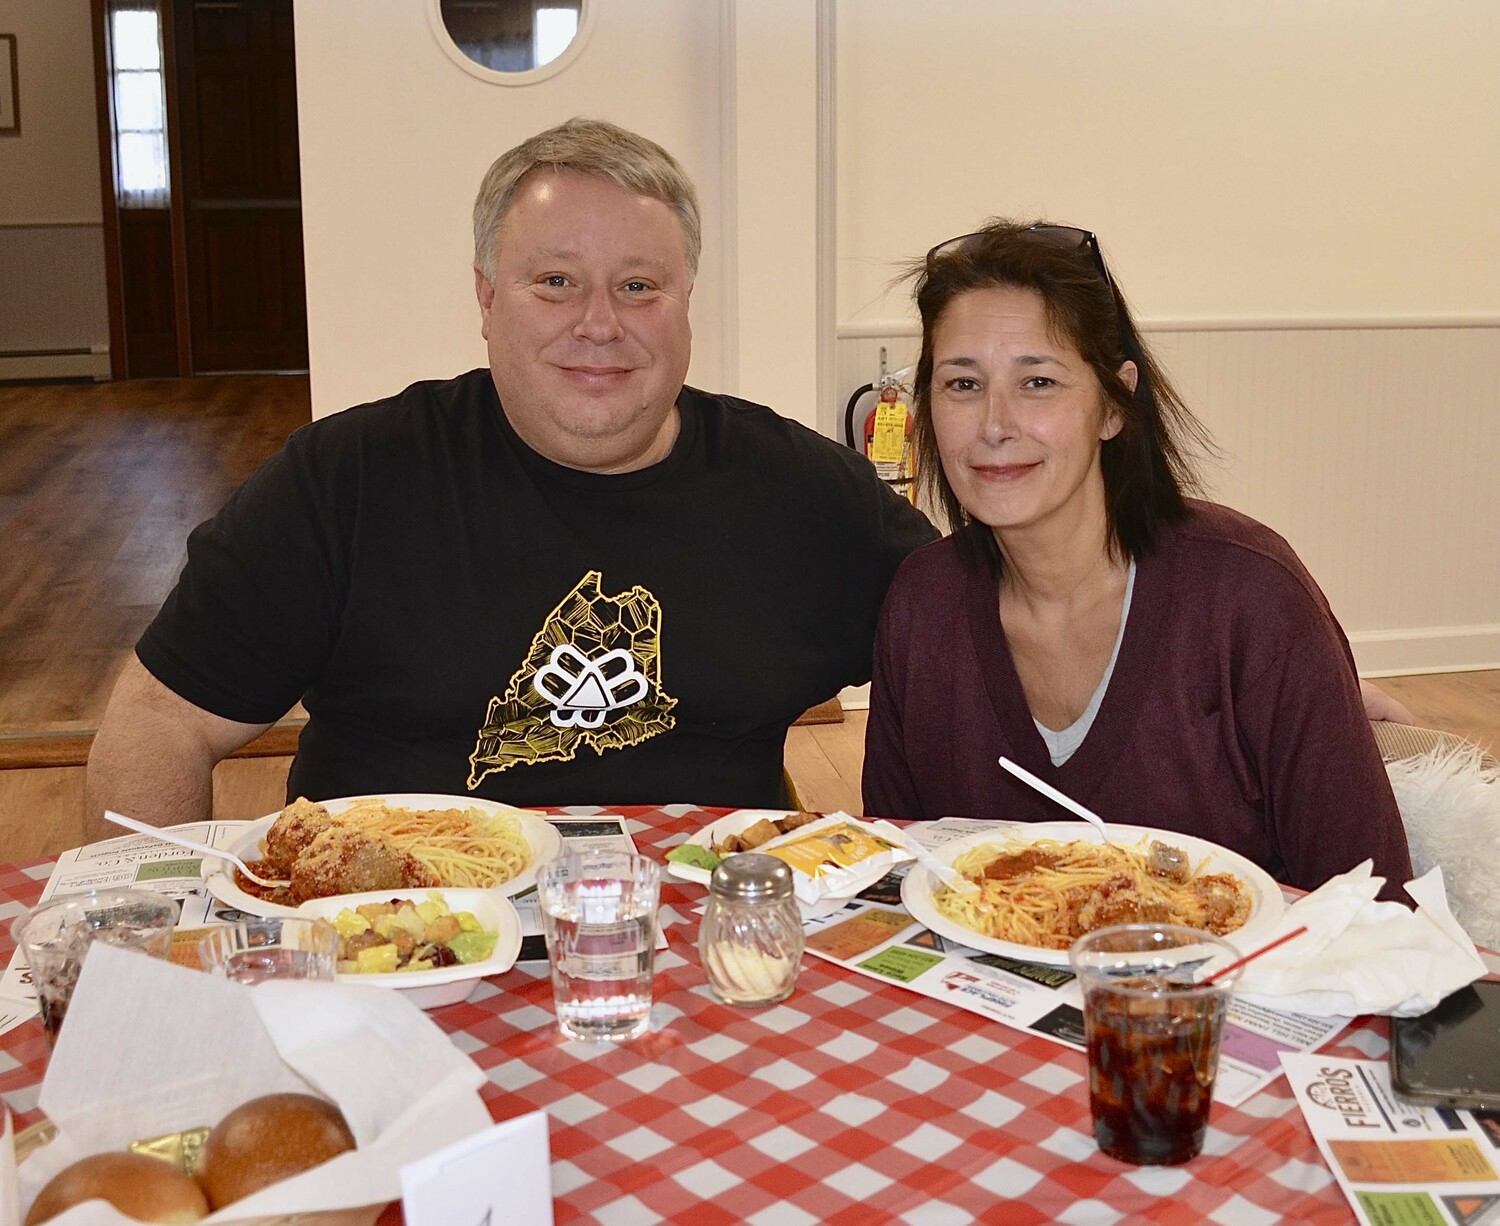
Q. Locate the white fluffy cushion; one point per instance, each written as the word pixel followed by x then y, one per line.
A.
pixel 1450 802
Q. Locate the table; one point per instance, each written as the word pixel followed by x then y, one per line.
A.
pixel 853 1102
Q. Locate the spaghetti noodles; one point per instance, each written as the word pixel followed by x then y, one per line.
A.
pixel 467 848
pixel 375 846
pixel 1047 893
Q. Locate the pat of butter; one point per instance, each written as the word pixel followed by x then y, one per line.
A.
pixel 179 1149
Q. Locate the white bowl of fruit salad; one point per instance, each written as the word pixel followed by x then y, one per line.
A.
pixel 435 945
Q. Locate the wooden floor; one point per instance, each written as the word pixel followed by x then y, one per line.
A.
pixel 100 485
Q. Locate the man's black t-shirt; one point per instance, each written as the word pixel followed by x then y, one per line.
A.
pixel 461 615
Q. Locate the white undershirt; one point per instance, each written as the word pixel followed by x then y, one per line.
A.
pixel 1061 745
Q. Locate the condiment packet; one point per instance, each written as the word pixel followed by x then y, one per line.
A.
pixel 838 856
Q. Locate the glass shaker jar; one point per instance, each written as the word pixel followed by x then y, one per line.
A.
pixel 750 941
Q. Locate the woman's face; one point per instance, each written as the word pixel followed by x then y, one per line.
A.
pixel 1018 414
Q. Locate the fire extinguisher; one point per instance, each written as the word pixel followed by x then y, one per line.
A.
pixel 887 435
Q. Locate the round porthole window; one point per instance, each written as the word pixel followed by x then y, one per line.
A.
pixel 510 42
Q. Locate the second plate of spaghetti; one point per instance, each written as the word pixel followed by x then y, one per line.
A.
pixel 931 905
pixel 531 839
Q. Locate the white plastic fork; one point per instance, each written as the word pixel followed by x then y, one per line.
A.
pixel 171 836
pixel 945 873
pixel 1067 802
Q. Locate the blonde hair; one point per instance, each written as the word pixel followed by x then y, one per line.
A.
pixel 591 147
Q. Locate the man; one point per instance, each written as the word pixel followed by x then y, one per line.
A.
pixel 564 579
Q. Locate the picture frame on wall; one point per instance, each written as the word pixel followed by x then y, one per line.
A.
pixel 10 88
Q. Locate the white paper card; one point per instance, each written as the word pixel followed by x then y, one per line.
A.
pixel 499 1175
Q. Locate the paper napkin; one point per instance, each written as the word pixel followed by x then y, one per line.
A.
pixel 1361 956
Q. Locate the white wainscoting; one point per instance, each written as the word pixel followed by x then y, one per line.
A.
pixel 1374 449
pixel 54 313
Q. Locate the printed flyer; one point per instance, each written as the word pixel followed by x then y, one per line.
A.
pixel 1399 1164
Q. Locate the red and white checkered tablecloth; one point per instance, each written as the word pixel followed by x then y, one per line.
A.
pixel 853 1102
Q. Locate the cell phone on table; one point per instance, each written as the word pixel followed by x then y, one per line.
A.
pixel 1450 1057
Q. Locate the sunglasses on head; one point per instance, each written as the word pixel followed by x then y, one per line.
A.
pixel 1070 237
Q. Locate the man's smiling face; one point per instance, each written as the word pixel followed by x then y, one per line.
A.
pixel 586 320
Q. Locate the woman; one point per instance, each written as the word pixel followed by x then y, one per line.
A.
pixel 1165 661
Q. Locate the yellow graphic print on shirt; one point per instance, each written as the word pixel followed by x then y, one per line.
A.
pixel 592 678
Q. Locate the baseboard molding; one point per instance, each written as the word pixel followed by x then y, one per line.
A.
pixel 1432 649
pixel 84 364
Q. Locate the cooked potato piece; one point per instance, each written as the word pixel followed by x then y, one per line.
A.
pixel 762 832
pixel 442 930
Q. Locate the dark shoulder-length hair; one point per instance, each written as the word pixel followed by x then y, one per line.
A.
pixel 1147 466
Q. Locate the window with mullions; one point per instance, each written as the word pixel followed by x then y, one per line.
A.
pixel 140 99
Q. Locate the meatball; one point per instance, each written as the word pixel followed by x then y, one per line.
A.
pixel 1168 862
pixel 1226 903
pixel 300 823
pixel 346 860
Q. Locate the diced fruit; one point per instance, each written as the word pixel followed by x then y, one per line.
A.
pixel 380 938
pixel 408 919
pixel 377 960
pixel 349 922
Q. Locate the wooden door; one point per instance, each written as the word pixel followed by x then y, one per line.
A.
pixel 240 191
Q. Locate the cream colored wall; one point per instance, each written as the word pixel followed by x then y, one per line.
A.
pixel 1302 202
pixel 53 314
pixel 50 172
pixel 395 138
pixel 1281 158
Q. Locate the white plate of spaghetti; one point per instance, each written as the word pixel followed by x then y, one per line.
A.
pixel 438 841
pixel 1056 879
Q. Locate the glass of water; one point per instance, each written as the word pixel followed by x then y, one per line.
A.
pixel 252 951
pixel 599 910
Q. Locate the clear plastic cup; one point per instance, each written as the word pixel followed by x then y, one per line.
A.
pixel 1153 1037
pixel 252 951
pixel 599 912
pixel 55 938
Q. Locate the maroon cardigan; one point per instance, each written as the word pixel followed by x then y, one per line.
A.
pixel 1233 714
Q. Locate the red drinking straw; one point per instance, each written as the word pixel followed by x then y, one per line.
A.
pixel 1264 949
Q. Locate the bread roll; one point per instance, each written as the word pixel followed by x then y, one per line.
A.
pixel 146 1189
pixel 269 1139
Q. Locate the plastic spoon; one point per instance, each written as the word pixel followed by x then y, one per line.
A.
pixel 1067 802
pixel 168 836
